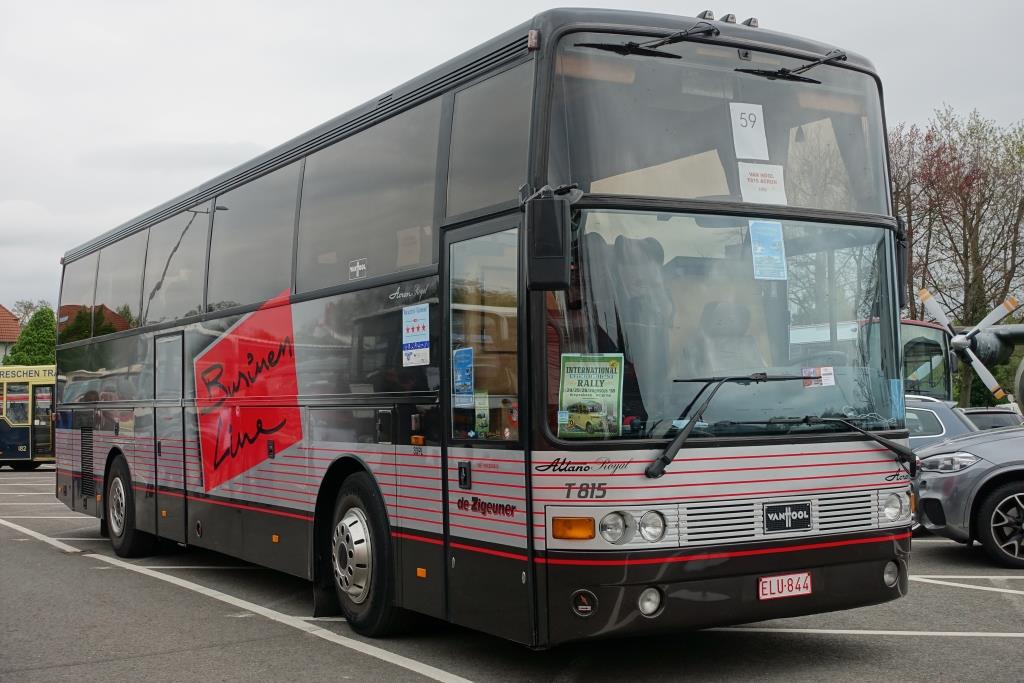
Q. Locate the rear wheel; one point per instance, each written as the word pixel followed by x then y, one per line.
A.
pixel 362 557
pixel 24 466
pixel 1000 524
pixel 126 540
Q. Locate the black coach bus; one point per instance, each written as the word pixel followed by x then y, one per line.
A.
pixel 512 345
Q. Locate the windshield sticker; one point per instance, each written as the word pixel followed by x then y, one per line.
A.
pixel 762 183
pixel 462 377
pixel 416 335
pixel 590 394
pixel 768 249
pixel 482 403
pixel 819 377
pixel 748 131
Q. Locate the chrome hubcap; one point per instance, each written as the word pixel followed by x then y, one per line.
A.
pixel 1008 525
pixel 116 506
pixel 352 555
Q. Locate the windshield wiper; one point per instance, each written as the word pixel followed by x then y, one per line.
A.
pixel 784 74
pixel 657 468
pixel 650 48
pixel 904 455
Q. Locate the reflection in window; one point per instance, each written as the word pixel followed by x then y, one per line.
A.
pixel 16 407
pixel 368 202
pixel 251 246
pixel 484 341
pixel 74 314
pixel 176 266
pixel 923 423
pixel 118 285
pixel 490 140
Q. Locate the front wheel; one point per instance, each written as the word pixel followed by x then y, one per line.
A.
pixel 362 557
pixel 126 540
pixel 1000 524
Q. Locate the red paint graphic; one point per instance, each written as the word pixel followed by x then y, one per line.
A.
pixel 254 361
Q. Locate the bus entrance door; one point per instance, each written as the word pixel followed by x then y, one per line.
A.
pixel 42 422
pixel 171 473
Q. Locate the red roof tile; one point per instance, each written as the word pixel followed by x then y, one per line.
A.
pixel 10 328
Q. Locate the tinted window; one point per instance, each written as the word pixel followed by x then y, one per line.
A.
pixel 251 248
pixel 484 341
pixel 74 315
pixel 118 285
pixel 176 266
pixel 368 202
pixel 490 140
pixel 17 403
pixel 994 420
pixel 923 423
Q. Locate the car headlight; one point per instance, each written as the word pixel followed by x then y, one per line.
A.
pixel 613 527
pixel 948 462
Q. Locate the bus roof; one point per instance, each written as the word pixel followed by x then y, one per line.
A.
pixel 460 69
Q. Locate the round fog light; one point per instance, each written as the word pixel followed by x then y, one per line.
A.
pixel 649 602
pixel 891 574
pixel 893 508
pixel 652 526
pixel 613 527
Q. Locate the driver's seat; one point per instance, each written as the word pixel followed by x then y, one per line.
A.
pixel 725 343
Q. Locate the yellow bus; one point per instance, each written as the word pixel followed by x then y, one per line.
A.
pixel 26 425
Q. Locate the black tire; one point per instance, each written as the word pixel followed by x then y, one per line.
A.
pixel 1004 508
pixel 126 540
pixel 366 590
pixel 24 466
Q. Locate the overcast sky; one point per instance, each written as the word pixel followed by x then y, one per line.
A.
pixel 109 108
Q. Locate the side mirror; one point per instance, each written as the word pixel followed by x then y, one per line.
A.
pixel 902 259
pixel 548 241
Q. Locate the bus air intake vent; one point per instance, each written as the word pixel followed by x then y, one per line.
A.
pixel 88 483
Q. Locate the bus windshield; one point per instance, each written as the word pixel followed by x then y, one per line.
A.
pixel 926 368
pixel 657 297
pixel 696 128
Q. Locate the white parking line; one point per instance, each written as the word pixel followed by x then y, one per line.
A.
pixel 288 620
pixel 29 483
pixel 74 538
pixel 38 536
pixel 192 566
pixel 55 503
pixel 1014 577
pixel 26 493
pixel 869 632
pixel 78 517
pixel 323 619
pixel 954 584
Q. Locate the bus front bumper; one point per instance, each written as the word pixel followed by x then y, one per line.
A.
pixel 720 589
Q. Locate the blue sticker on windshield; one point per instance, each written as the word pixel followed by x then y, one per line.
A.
pixel 768 250
pixel 462 378
pixel 896 396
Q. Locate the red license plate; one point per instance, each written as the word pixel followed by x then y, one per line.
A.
pixel 783 586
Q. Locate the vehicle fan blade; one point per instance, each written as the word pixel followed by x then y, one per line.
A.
pixel 934 309
pixel 998 313
pixel 984 375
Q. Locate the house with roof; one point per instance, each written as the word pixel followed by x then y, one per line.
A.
pixel 10 328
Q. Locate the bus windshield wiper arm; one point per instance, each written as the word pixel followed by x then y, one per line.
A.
pixel 657 468
pixel 903 454
pixel 784 74
pixel 650 48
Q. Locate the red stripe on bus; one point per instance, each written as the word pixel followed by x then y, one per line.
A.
pixel 749 494
pixel 486 531
pixel 413 537
pixel 640 472
pixel 732 483
pixel 488 551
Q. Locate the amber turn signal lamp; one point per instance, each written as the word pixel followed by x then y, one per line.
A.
pixel 418 440
pixel 573 528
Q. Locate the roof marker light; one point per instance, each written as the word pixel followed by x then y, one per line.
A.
pixel 728 18
pixel 706 14
pixel 751 22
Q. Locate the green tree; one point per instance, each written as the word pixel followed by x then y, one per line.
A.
pixel 37 342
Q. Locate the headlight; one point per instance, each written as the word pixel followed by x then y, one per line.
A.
pixel 893 507
pixel 613 527
pixel 948 462
pixel 652 526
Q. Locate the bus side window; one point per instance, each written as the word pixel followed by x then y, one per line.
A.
pixel 16 403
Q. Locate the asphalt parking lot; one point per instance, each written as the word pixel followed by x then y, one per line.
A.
pixel 71 610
